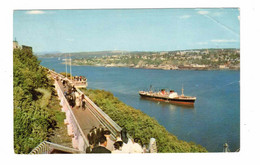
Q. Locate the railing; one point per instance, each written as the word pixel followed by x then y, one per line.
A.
pixel 47 148
pixel 102 117
pixel 79 140
pixel 82 84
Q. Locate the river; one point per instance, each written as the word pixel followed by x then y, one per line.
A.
pixel 214 119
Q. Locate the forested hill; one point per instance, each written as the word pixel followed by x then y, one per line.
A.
pixel 84 54
pixel 34 118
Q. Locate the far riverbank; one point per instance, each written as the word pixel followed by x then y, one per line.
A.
pixel 161 67
pixel 214 119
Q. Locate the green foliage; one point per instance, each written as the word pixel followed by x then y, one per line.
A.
pixel 209 57
pixel 139 124
pixel 33 120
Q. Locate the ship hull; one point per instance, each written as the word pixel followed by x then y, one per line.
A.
pixel 178 100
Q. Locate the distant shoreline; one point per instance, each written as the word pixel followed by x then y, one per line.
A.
pixel 197 69
pixel 201 59
pixel 156 68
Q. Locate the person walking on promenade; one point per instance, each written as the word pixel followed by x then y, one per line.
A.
pixel 102 146
pixel 77 99
pixel 64 83
pixel 74 89
pixel 100 131
pixel 83 102
pixel 127 142
pixel 110 142
pixel 118 147
pixel 137 147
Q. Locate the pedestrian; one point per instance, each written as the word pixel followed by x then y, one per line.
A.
pixel 91 141
pixel 110 142
pixel 118 147
pixel 127 142
pixel 101 148
pixel 137 147
pixel 77 99
pixel 64 83
pixel 83 103
pixel 94 136
pixel 100 131
pixel 73 88
pixel 72 99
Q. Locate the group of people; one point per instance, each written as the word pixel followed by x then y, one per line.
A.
pixel 79 78
pixel 100 142
pixel 73 97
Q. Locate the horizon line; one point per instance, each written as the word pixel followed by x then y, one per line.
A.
pixel 131 50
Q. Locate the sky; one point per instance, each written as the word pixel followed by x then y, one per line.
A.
pixel 127 29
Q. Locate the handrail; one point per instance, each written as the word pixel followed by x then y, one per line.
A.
pixel 73 116
pixel 47 147
pixel 103 118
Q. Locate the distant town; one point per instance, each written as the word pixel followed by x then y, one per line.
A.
pixel 199 59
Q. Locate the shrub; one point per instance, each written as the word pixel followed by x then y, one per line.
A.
pixel 139 124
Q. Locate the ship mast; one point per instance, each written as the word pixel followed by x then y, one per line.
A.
pixel 66 64
pixel 182 91
pixel 150 88
pixel 70 69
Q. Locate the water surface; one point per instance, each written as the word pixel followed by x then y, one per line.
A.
pixel 213 121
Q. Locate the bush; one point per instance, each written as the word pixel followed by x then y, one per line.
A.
pixel 139 124
pixel 32 121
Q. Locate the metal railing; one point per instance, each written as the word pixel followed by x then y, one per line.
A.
pixel 47 148
pixel 79 135
pixel 100 115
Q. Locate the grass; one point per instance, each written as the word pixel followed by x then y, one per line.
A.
pixel 48 99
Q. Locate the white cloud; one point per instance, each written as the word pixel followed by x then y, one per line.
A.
pixel 202 43
pixel 185 16
pixel 203 12
pixel 223 40
pixel 35 12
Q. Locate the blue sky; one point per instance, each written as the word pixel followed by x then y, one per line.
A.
pixel 127 29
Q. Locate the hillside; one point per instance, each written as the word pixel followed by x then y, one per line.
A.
pixel 83 54
pixel 198 59
pixel 36 110
pixel 204 59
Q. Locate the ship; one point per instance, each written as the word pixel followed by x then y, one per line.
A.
pixel 171 97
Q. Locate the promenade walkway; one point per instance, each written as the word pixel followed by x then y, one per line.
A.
pixel 84 117
pixel 79 121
